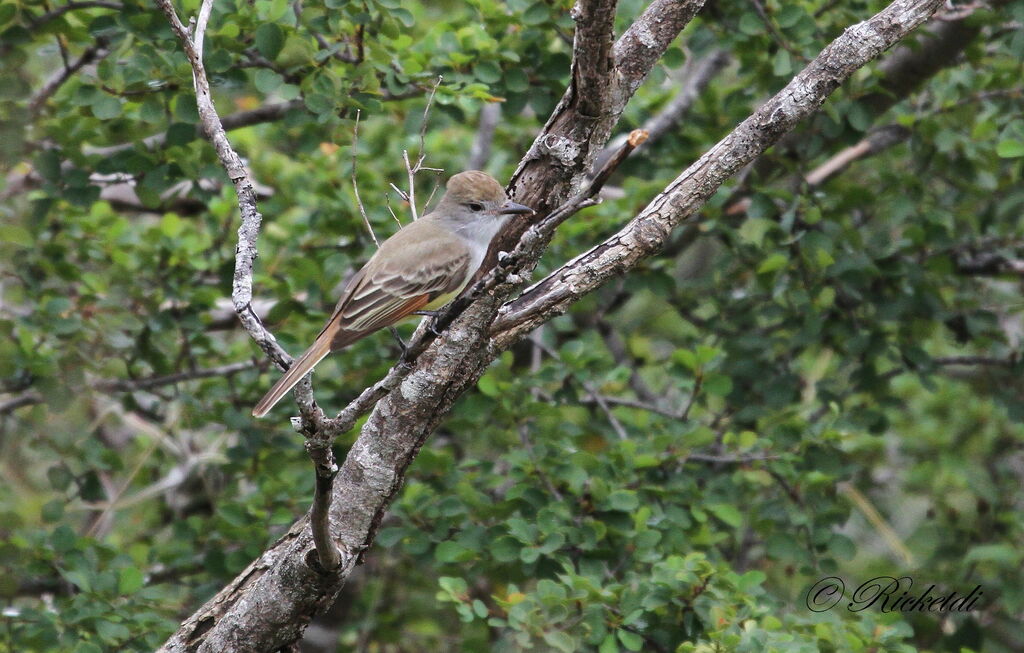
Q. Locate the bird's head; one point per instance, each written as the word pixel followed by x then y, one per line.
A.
pixel 475 195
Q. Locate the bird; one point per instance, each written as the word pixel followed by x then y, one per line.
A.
pixel 419 269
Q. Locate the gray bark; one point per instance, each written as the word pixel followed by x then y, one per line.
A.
pixel 269 604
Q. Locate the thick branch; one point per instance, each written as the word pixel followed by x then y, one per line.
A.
pixel 939 47
pixel 695 78
pixel 647 233
pixel 266 113
pixel 555 164
pixel 267 606
pixel 648 37
pixel 592 55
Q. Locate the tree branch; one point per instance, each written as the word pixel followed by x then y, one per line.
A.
pixel 647 232
pixel 563 152
pixel 91 54
pixel 74 6
pixel 267 606
pixel 267 113
pixel 695 78
pixel 148 383
pixel 132 385
pixel 480 152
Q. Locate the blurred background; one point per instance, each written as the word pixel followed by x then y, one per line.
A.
pixel 819 376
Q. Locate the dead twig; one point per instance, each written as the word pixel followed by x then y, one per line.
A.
pixel 355 182
pixel 412 169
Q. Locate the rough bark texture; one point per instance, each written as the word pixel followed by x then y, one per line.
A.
pixel 649 230
pixel 553 168
pixel 269 604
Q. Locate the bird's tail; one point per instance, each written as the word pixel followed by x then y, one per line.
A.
pixel 320 348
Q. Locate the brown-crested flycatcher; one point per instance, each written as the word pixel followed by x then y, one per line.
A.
pixel 421 268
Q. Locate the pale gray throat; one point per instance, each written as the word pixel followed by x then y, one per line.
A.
pixel 478 235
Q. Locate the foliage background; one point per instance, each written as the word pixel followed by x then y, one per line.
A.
pixel 827 353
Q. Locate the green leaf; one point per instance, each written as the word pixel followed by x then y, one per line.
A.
pixel 772 263
pixel 8 11
pixel 727 513
pixel 859 117
pixel 452 585
pixel 536 14
pixel 782 63
pixel 631 641
pixel 789 15
pixel 1010 149
pixel 751 24
pixel 479 609
pixel 266 81
pixel 15 235
pixel 608 645
pixel 403 15
pixel 561 641
pixel 750 580
pixel 1001 554
pixel 269 40
pixel 753 230
pixel 181 133
pixel 106 107
pixel 130 580
pixel 488 385
pixel 623 500
pixel 717 384
pixel 487 72
pixel 449 551
pixel 171 225
pixel 686 358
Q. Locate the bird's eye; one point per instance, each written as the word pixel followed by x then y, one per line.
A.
pixel 475 206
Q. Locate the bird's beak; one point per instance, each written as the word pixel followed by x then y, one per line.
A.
pixel 511 208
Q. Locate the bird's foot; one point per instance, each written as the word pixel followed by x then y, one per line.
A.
pixel 401 343
pixel 432 325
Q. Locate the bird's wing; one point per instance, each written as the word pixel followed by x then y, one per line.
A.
pixel 387 295
pixel 389 287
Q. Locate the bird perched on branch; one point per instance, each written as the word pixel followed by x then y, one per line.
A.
pixel 421 268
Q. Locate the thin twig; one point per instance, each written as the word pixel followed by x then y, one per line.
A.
pixel 640 405
pixel 24 399
pixel 72 6
pixel 738 460
pixel 131 385
pixel 91 54
pixel 312 421
pixel 401 193
pixel 412 185
pixel 387 203
pixel 524 438
pixel 594 395
pixel 355 183
pixel 698 381
pixel 412 169
pixel 776 35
